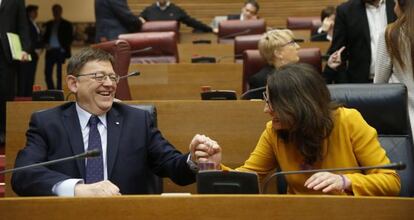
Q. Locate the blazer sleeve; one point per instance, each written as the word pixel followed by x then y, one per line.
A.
pixel 165 160
pixel 35 181
pixel 339 37
pixel 368 151
pixel 124 14
pixel 189 21
pixel 23 26
pixel 383 64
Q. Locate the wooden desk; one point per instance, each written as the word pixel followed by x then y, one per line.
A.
pixel 224 53
pixel 209 207
pixel 182 81
pixel 323 45
pixel 236 125
pixel 188 37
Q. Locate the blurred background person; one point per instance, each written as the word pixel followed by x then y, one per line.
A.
pixel 308 131
pixel 27 71
pixel 113 17
pixel 325 32
pixel 278 48
pixel 163 10
pixel 58 39
pixel 249 11
pixel 395 52
pixel 358 24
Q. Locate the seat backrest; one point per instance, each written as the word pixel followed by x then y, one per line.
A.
pixel 230 29
pixel 154 183
pixel 152 47
pixel 253 62
pixel 384 107
pixel 120 49
pixel 246 42
pixel 300 23
pixel 160 26
pixel 311 56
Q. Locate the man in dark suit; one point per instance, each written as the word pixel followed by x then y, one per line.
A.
pixel 58 39
pixel 357 26
pixel 113 18
pixel 163 10
pixel 12 19
pixel 132 147
pixel 27 71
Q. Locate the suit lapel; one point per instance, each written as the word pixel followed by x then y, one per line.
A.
pixel 114 124
pixel 389 7
pixel 2 5
pixel 73 129
pixel 364 22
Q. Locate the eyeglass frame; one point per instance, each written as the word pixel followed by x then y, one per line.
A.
pixel 266 99
pixel 116 80
pixel 292 42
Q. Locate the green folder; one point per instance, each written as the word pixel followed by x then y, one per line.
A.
pixel 15 46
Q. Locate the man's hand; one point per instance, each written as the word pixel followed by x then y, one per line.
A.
pixel 25 56
pixel 335 59
pixel 204 149
pixel 103 188
pixel 328 182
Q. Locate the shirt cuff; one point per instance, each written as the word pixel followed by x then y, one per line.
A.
pixel 193 166
pixel 66 187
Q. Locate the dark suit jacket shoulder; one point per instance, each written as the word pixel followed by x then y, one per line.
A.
pixel 260 78
pixel 113 17
pixel 135 149
pixel 233 17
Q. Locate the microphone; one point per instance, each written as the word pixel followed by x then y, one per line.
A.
pixel 86 154
pixel 212 59
pixel 233 35
pixel 141 50
pixel 219 59
pixel 391 166
pixel 134 73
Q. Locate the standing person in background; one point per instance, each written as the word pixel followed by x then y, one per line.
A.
pixel 27 71
pixel 395 52
pixel 163 10
pixel 12 19
pixel 113 17
pixel 358 24
pixel 58 39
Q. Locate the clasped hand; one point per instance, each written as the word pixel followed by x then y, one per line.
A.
pixel 204 149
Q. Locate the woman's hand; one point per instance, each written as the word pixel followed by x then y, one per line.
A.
pixel 328 182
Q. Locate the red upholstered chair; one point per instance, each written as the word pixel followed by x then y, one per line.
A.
pixel 230 29
pixel 152 47
pixel 253 62
pixel 246 42
pixel 311 56
pixel 300 23
pixel 161 26
pixel 121 51
pixel 316 24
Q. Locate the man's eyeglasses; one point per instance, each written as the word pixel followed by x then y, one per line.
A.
pixel 266 99
pixel 101 76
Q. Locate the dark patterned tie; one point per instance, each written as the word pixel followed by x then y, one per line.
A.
pixel 94 165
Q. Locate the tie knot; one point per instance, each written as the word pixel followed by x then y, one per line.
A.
pixel 94 120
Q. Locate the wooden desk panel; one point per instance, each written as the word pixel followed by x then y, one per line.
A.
pixel 224 53
pixel 323 45
pixel 209 207
pixel 188 37
pixel 182 81
pixel 236 125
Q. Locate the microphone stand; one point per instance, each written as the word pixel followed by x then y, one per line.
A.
pixel 391 166
pixel 87 154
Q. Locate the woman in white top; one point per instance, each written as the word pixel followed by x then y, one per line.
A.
pixel 394 62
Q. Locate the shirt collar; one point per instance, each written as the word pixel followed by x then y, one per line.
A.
pixel 84 117
pixel 380 3
pixel 163 7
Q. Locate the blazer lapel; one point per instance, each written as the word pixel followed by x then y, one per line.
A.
pixel 73 129
pixel 114 124
pixel 389 7
pixel 364 22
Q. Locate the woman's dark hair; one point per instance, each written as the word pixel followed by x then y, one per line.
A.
pixel 401 31
pixel 302 102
